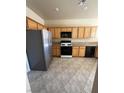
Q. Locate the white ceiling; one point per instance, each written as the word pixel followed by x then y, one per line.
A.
pixel 69 9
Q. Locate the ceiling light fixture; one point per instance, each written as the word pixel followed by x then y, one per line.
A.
pixel 57 9
pixel 83 3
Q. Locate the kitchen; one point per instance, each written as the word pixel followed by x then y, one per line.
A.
pixel 72 52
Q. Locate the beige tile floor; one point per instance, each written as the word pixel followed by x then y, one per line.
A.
pixel 65 75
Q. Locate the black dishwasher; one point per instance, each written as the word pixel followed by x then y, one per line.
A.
pixel 90 50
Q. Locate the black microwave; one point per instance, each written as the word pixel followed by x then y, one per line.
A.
pixel 66 34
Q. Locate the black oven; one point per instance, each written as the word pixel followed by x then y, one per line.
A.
pixel 66 48
pixel 66 34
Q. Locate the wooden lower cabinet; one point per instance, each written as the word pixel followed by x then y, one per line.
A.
pixel 78 51
pixel 56 50
pixel 75 51
pixel 82 51
pixel 96 52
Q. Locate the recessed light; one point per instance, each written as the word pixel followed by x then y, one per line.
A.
pixel 57 9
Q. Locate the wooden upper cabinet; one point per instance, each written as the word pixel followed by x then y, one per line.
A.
pixel 87 32
pixel 53 33
pixel 40 26
pixel 63 29
pixel 31 24
pixel 93 32
pixel 74 32
pixel 75 51
pixel 81 32
pixel 68 29
pixel 57 33
pixel 82 51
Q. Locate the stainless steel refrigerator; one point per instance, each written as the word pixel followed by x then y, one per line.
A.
pixel 39 49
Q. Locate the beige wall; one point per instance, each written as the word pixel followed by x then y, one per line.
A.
pixel 31 14
pixel 72 22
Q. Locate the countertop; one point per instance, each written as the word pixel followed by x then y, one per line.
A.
pixel 79 42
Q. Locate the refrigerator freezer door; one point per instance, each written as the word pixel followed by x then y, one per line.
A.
pixel 45 38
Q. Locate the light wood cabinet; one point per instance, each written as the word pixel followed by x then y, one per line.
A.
pixel 57 33
pixel 81 32
pixel 68 29
pixel 40 27
pixel 53 33
pixel 75 51
pixel 63 29
pixel 74 32
pixel 53 50
pixel 82 51
pixel 77 32
pixel 93 32
pixel 87 32
pixel 31 24
pixel 96 52
pixel 56 50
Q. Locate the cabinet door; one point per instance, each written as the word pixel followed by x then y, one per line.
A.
pixel 81 32
pixel 58 51
pixel 54 50
pixel 31 24
pixel 75 51
pixel 68 29
pixel 53 33
pixel 74 32
pixel 40 27
pixel 87 32
pixel 96 52
pixel 82 51
pixel 93 32
pixel 57 32
pixel 63 29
